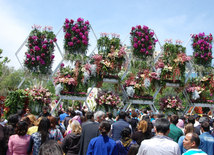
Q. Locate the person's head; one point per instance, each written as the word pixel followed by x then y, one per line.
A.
pixel 134 114
pixel 109 115
pixel 145 111
pixel 162 126
pixel 189 128
pixel 27 120
pixel 57 120
pixel 160 115
pixel 122 115
pixel 67 111
pixel 174 119
pixel 197 117
pixel 72 113
pixel 83 119
pixel 28 110
pixel 13 120
pixel 45 109
pixel 146 118
pixel 142 126
pixel 180 123
pixel 191 119
pixel 36 123
pixel 191 140
pixel 76 128
pixel 105 127
pixel 99 116
pixel 21 128
pixel 32 118
pixel 20 112
pixel 133 150
pixel 60 112
pixel 52 121
pixel 90 115
pixel 43 128
pixel 126 132
pixel 205 127
pixel 77 118
pixel 50 147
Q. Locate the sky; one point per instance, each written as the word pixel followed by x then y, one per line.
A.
pixel 168 18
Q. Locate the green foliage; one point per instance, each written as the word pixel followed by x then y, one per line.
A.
pixel 2 62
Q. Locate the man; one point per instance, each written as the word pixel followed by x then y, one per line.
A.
pixel 197 124
pixel 90 130
pixel 109 117
pixel 63 115
pixel 118 126
pixel 191 119
pixel 160 144
pixel 90 118
pixel 191 143
pixel 71 114
pixel 44 112
pixel 103 145
pixel 175 132
pixel 207 141
pixel 28 111
pixel 99 116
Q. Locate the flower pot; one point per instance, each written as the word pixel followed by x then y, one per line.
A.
pixel 174 85
pixel 65 97
pixel 141 102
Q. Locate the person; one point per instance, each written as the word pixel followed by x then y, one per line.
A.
pixel 19 142
pixel 20 113
pixel 142 132
pixel 191 143
pixel 109 117
pixel 28 111
pixel 34 128
pixel 180 125
pixel 187 129
pixel 38 138
pixel 175 133
pixel 133 149
pixel 191 119
pixel 71 142
pixel 99 116
pixel 32 118
pixel 197 124
pixel 118 126
pixel 89 131
pixel 58 126
pixel 63 115
pixel 2 136
pixel 50 147
pixel 89 117
pixel 55 132
pixel 69 128
pixel 44 112
pixel 160 144
pixel 207 141
pixel 71 114
pixel 103 145
pixel 125 142
pixel 134 121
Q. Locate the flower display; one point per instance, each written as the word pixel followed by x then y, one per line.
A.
pixel 170 103
pixel 40 56
pixel 143 42
pixel 202 46
pixel 76 38
pixel 172 63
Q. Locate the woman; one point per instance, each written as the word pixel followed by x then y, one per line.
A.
pixel 56 132
pixel 69 129
pixel 71 142
pixel 180 124
pixel 125 142
pixel 134 121
pixel 38 138
pixel 187 129
pixel 34 128
pixel 19 142
pixel 142 132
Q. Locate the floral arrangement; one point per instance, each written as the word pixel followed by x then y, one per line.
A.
pixel 197 110
pixel 143 42
pixel 142 85
pixel 201 90
pixel 76 36
pixel 71 80
pixel 170 103
pixel 108 99
pixel 172 63
pixel 15 100
pixel 202 46
pixel 39 56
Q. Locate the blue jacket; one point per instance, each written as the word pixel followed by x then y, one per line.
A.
pixel 207 143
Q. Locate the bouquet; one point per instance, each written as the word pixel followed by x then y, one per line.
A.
pixel 39 56
pixel 143 42
pixel 202 46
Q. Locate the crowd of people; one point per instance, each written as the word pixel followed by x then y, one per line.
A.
pixel 78 132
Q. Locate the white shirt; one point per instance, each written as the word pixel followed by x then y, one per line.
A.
pixel 159 145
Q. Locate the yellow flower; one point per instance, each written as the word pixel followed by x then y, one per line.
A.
pixel 170 68
pixel 137 86
pixel 142 75
pixel 204 79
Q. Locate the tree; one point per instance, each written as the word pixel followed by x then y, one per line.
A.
pixel 2 62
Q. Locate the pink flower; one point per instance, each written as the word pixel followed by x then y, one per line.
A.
pixel 62 65
pixel 97 57
pixel 26 62
pixel 54 39
pixel 44 47
pixel 150 47
pixel 37 48
pixel 147 52
pixel 32 63
pixel 71 21
pixel 66 26
pixel 206 58
pixel 52 57
pixel 33 59
pixel 70 44
pixel 78 41
pixel 51 41
pixel 209 54
pixel 151 34
pixel 135 45
pixel 135 40
pixel 80 20
pixel 66 20
pixel 43 55
pixel 37 58
pixel 74 28
pixel 77 31
pixel 32 51
pixel 28 56
pixel 139 42
pixel 86 33
pixel 133 28
pixel 87 22
pixel 85 28
pixel 81 34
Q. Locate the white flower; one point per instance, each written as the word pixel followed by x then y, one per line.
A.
pixel 195 95
pixel 86 77
pixel 147 82
pixel 93 70
pixel 130 91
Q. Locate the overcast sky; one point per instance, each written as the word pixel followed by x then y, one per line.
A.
pixel 168 18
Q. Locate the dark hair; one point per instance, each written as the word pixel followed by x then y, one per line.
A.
pixel 27 120
pixel 50 147
pixel 145 111
pixel 152 115
pixel 52 122
pixel 82 119
pixel 146 118
pixel 57 119
pixel 43 128
pixel 29 108
pixel 105 127
pixel 191 119
pixel 60 112
pixel 195 138
pixel 72 113
pixel 89 115
pixel 20 112
pixel 109 115
pixel 160 115
pixel 13 120
pixel 174 119
pixel 134 114
pixel 122 114
pixel 21 128
pixel 205 126
pixel 133 149
pixel 67 111
pixel 126 132
pixel 182 117
pixel 162 125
